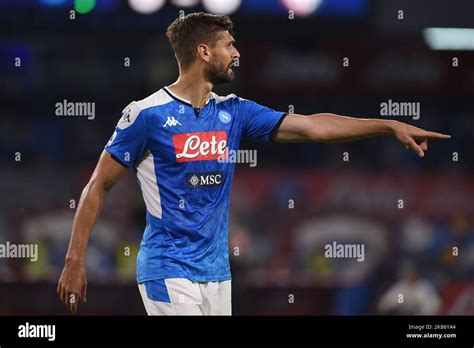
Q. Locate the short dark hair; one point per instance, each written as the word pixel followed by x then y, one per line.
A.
pixel 186 33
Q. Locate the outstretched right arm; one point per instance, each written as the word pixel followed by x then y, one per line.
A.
pixel 72 283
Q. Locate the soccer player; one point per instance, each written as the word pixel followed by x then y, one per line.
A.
pixel 174 139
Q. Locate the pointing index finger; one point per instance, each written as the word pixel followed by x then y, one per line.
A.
pixel 428 134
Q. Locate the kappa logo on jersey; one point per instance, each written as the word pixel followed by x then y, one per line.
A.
pixel 171 122
pixel 203 179
pixel 200 146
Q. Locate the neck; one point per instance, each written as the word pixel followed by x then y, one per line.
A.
pixel 192 87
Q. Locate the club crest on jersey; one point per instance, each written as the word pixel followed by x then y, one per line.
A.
pixel 171 122
pixel 200 146
pixel 224 116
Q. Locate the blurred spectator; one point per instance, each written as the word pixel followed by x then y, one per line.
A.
pixel 410 295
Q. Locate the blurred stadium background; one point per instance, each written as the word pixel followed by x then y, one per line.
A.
pixel 298 198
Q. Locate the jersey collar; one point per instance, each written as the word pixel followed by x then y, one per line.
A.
pixel 174 96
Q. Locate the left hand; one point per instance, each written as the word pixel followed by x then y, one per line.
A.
pixel 415 138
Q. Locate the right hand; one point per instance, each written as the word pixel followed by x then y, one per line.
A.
pixel 72 285
pixel 415 139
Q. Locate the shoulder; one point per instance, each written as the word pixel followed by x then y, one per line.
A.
pixel 158 98
pixel 136 108
pixel 227 98
pixel 234 100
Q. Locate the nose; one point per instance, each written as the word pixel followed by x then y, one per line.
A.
pixel 236 54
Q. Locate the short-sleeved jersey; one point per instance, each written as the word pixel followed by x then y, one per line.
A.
pixel 177 153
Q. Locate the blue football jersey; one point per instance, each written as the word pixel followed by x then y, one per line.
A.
pixel 177 153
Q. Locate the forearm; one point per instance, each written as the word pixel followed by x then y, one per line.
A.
pixel 335 128
pixel 87 212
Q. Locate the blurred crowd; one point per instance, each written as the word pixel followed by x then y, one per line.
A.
pixel 279 227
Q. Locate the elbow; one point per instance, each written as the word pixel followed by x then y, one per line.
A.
pixel 316 133
pixel 319 137
pixel 96 185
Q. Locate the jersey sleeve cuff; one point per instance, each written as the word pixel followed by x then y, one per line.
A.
pixel 116 159
pixel 273 131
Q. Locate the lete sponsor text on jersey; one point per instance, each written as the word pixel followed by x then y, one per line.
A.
pixel 200 146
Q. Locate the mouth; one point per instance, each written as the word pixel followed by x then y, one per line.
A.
pixel 230 68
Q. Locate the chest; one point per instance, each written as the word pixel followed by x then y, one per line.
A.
pixel 180 133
